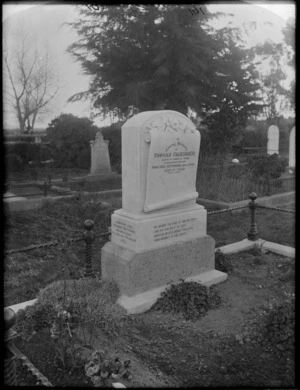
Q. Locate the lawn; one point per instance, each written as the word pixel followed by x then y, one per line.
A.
pixel 42 173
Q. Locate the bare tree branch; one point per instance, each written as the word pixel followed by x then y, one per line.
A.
pixel 32 83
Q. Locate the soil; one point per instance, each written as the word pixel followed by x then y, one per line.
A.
pixel 228 346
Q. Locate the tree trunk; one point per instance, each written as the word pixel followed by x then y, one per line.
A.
pixel 22 125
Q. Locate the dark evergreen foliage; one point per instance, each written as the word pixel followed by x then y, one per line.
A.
pixel 143 57
pixel 69 138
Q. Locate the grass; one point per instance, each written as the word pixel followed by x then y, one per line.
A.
pixel 103 184
pixel 42 173
pixel 27 272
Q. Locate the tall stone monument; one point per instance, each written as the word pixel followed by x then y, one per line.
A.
pixel 273 140
pixel 159 234
pixel 292 146
pixel 100 162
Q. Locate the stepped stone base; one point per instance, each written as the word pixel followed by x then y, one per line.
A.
pixel 138 273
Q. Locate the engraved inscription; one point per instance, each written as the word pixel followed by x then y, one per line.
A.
pixel 174 162
pixel 173 229
pixel 125 231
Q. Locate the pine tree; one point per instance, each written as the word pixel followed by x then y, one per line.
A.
pixel 160 57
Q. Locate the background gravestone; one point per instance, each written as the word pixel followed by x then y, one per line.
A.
pixel 100 162
pixel 273 140
pixel 159 235
pixel 292 145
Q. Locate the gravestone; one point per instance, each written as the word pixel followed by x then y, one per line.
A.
pixel 292 145
pixel 100 162
pixel 273 140
pixel 159 235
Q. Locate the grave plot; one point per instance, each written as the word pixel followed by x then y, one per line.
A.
pixel 226 330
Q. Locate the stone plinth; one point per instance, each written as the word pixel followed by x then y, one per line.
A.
pixel 142 232
pixel 136 273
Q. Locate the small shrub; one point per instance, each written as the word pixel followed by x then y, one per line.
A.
pixel 267 167
pixel 86 299
pixel 279 325
pixel 14 163
pixel 72 310
pixel 33 319
pixel 191 299
pixel 222 262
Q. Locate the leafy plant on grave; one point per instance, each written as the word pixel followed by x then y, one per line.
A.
pixel 73 311
pixel 32 319
pixel 92 298
pixel 222 262
pixel 102 369
pixel 279 324
pixel 191 299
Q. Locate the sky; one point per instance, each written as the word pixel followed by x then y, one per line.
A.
pixel 47 20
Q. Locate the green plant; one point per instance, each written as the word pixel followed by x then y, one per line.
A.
pixel 73 310
pixel 191 299
pixel 279 324
pixel 102 368
pixel 267 167
pixel 33 319
pixel 84 159
pixel 69 137
pixel 90 299
pixel 14 163
pixel 222 262
pixel 218 180
pixel 66 336
pixel 113 134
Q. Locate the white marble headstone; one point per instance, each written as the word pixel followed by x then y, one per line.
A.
pixel 100 162
pixel 273 140
pixel 159 235
pixel 292 147
pixel 160 152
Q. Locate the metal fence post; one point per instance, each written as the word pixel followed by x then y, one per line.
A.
pixel 10 375
pixel 253 232
pixel 89 237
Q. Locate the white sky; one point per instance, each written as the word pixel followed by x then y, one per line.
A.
pixel 284 9
pixel 46 21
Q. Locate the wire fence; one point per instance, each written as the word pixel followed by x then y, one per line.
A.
pixel 106 235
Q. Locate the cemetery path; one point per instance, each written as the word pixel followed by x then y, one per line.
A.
pixel 228 346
